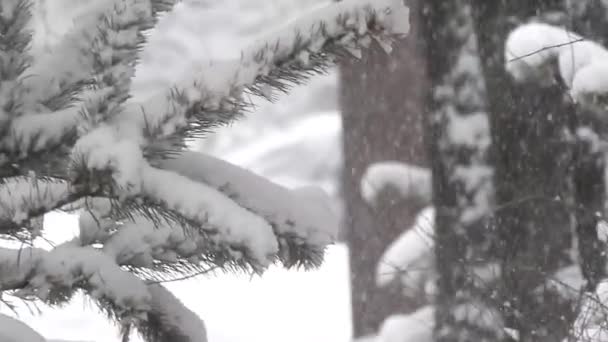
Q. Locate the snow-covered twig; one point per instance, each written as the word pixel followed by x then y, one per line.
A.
pixel 23 198
pixel 303 216
pixel 14 58
pixel 102 50
pixel 210 94
pixel 170 320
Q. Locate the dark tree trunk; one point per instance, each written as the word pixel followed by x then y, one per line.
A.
pixel 382 100
pixel 589 198
pixel 531 159
pixel 590 18
pixel 458 141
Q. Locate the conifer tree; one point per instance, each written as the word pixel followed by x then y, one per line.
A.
pixel 73 137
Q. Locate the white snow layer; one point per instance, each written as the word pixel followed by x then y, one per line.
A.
pixel 201 203
pixel 212 84
pixel 409 258
pixel 68 264
pixel 13 330
pixel 17 264
pixel 21 195
pixel 177 320
pixel 414 327
pixel 583 64
pixel 417 326
pixel 305 213
pixel 81 266
pixel 412 182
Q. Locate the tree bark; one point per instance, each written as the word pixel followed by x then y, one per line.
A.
pixel 459 138
pixel 382 100
pixel 531 158
pixel 588 17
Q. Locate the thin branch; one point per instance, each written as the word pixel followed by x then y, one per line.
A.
pixel 516 58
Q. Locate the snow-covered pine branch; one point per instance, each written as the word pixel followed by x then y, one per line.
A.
pixel 26 197
pixel 211 93
pixel 81 82
pixel 302 219
pixel 170 320
pixel 71 136
pixel 54 277
pixel 115 148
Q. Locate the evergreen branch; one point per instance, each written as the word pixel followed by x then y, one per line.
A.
pixel 109 65
pixel 185 277
pixel 340 25
pixel 70 61
pixel 301 219
pixel 31 139
pixel 162 6
pixel 115 52
pixel 224 230
pixel 24 198
pixel 211 94
pixel 15 38
pixel 232 227
pixel 78 110
pixel 170 320
pixel 16 266
pixel 54 276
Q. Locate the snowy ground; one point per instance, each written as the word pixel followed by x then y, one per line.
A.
pixel 294 142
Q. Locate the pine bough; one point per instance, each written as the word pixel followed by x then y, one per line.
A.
pixel 72 138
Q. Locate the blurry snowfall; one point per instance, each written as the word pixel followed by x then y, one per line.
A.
pixel 294 142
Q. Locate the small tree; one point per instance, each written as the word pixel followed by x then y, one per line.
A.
pixel 73 137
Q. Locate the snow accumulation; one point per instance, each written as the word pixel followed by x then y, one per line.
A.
pixel 13 330
pixel 169 310
pixel 412 182
pixel 201 203
pixel 116 146
pixel 417 326
pixel 414 327
pixel 410 257
pixel 69 264
pixel 290 211
pixel 16 264
pixel 212 84
pixel 107 147
pixel 21 195
pixel 583 64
